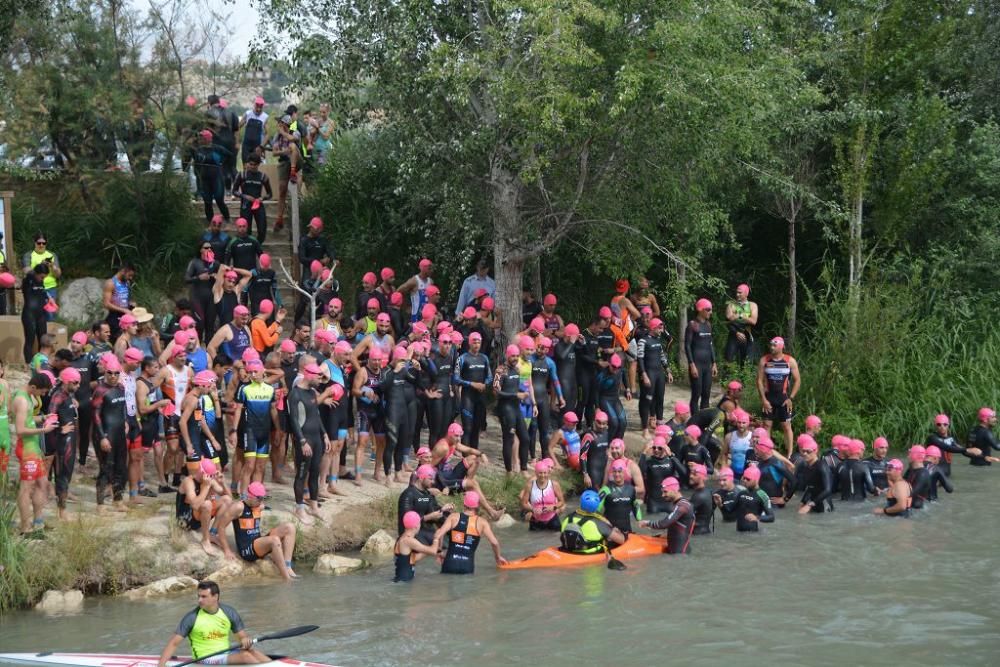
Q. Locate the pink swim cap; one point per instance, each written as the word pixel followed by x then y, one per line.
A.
pixel 619 465
pixel 241 311
pixel 399 353
pixel 7 280
pixel 670 484
pixel 475 335
pixel 934 450
pixel 840 442
pixel 127 320
pixel 383 318
pixel 703 304
pixel 765 444
pixel 605 313
pixel 699 469
pixel 411 520
pixel 373 303
pixel 396 299
pixel 735 385
pixel 208 467
pixel 288 345
pixel 429 311
pixel 682 408
pixel 806 443
pixel 549 300
pixel 741 416
pixel 469 313
pixel 426 471
pixel 617 443
pixel 424 451
pixel 342 347
pixel 254 365
pixel 693 431
pixel 986 413
pixel 895 464
pixel 526 343
pixel 778 342
pixel 917 453
pixel 456 338
pixel 80 338
pixel 186 322
pixel 265 261
pixel 369 278
pixel 542 465
pixel 471 499
pixel 545 342
pixel 572 330
pixel 571 418
pixel 880 442
pixel 266 306
pixel 242 222
pixel 312 369
pixel 812 421
pixel 615 361
pixel 387 273
pixel 751 474
pixel 663 431
pixel 455 429
pixel 134 355
pixel 205 378
pixel 600 416
pixel 760 432
pixel 432 290
pixel 726 472
pixel 655 323
pixel 425 263
pixel 856 447
pixel 69 374
pixel 941 420
pixel 325 335
pixel 488 304
pixel 257 489
pixel 250 354
pixel 513 351
pixel 659 441
pixel 743 287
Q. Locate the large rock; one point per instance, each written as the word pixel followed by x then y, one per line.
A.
pixel 81 300
pixel 61 601
pixel 334 564
pixel 505 521
pixel 162 587
pixel 240 569
pixel 380 542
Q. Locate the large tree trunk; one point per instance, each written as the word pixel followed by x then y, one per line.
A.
pixel 681 321
pixel 505 198
pixel 793 296
pixel 535 277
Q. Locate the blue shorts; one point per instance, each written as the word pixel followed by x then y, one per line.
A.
pixel 255 446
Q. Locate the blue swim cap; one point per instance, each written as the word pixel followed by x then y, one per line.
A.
pixel 590 501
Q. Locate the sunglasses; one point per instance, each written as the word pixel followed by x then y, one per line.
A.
pixel 114 372
pixel 41 242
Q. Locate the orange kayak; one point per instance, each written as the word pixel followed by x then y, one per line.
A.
pixel 636 546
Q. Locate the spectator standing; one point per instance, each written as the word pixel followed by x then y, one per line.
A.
pixel 41 254
pixel 470 286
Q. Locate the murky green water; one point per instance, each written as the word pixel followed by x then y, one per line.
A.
pixel 846 588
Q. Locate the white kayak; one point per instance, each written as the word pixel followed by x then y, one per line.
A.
pixel 123 660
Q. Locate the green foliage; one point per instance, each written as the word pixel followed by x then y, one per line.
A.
pixel 15 586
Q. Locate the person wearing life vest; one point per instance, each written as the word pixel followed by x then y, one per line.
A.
pixel 208 628
pixel 587 532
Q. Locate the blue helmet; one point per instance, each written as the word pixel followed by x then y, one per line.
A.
pixel 590 501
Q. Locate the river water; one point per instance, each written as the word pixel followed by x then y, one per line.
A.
pixel 847 588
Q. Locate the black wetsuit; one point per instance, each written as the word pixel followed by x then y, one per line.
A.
pixel 700 351
pixel 33 315
pixel 709 420
pixel 773 476
pixel 855 480
pixel 619 505
pixel 729 500
pixel 876 468
pixel 680 524
pixel 441 410
pixel 88 371
pixel 541 380
pixel 652 361
pixel 752 501
pixel 400 391
pixel 696 453
pixel 609 386
pixel 243 252
pixel 816 484
pixel 704 511
pixel 250 185
pixel 596 450
pixel 468 369
pixel 565 358
pixel 938 478
pixel 834 462
pixel 109 422
pixel 586 375
pixel 63 405
pixel 920 486
pixel 424 380
pixel 415 499
pixel 263 285
pixel 654 470
pixel 949 447
pixel 983 438
pixel 509 411
pixel 307 429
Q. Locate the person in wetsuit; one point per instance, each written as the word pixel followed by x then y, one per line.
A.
pixel 692 451
pixel 618 499
pixel 110 426
pixel 367 390
pixel 753 505
pixel 814 479
pixel 417 497
pixel 983 438
pixel 897 495
pixel 855 476
pixel 472 373
pixel 309 439
pixel 938 479
pixel 564 355
pixel 918 477
pixel 701 500
pixel 700 351
pixel 200 278
pixel 399 388
pixel 680 523
pixel 408 549
pixel 610 379
pixel 63 404
pixel 508 388
pixel 726 495
pixel 587 354
pixel 252 186
pixel 464 530
pixel 943 440
pixel 656 466
pixel 776 479
pixel 876 464
pixel 545 383
pixel 243 250
pixel 594 448
pixel 654 372
pixel 440 404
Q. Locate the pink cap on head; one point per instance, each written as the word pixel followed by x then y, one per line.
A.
pixel 617 444
pixel 840 442
pixel 917 453
pixel 469 313
pixel 663 431
pixel 605 313
pixel 512 350
pixel 659 441
pixel 242 223
pixel 856 447
pixel 254 365
pixel 475 335
pixel 205 378
pixel 376 354
pixel 726 472
pixel 751 474
pixel 134 355
pixel 471 499
pixel 217 218
pixel 186 322
pixel 526 343
pixel 760 432
pixel 571 418
pixel 110 362
pixel 942 420
pixel 934 450
pixel 426 471
pixel 419 347
pixel 735 385
pixel 455 337
pixel 443 326
pixel 545 342
pixel 383 318
pixel 619 465
pixel 424 451
pixel 316 266
pixel 743 287
pixel 127 320
pixel 337 391
pixel 778 342
pixel 455 429
pixel 312 369
pixel 287 345
pixel 670 484
pixel 895 464
pixel 488 304
pixel 572 330
pixel 265 261
pixel 266 306
pixel 655 323
pixel 741 416
pixel 812 421
pixel 806 443
pixel 258 101
pixel 369 278
pixel 335 302
pixel 986 413
pixel 432 290
pixel 241 311
pixel 411 520
pixel 206 135
pixel 765 445
pixel 646 310
pixel 703 304
pixel 373 303
pixel 316 223
pixel 428 311
pixel 420 329
pixel 425 263
pixel 693 431
pixel 342 347
pixel 257 490
pixel 80 338
pixel 682 408
pixel 231 275
pixel 223 102
pixel 396 299
pixel 615 361
pixel 69 374
pixel 543 465
pixel 208 467
pixel 880 443
pixel 480 293
pixel 699 469
pixel 325 335
pixel 399 353
pixel 537 325
pixel 191 101
pixel 600 416
pixel 250 354
pixel 549 300
pixel 181 338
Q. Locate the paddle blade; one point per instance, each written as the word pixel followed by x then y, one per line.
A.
pixel 290 632
pixel 615 564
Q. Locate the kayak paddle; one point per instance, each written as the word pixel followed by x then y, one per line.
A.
pixel 613 563
pixel 282 634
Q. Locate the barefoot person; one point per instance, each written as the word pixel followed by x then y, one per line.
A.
pixel 208 629
pixel 310 440
pixel 464 531
pixel 200 499
pixel 457 465
pixel 252 543
pixel 542 499
pixel 409 549
pixel 111 434
pixel 64 406
pixel 29 425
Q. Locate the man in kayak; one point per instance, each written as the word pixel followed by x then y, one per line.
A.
pixel 208 628
pixel 587 532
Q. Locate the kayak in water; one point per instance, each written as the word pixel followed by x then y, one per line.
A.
pixel 125 660
pixel 636 546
